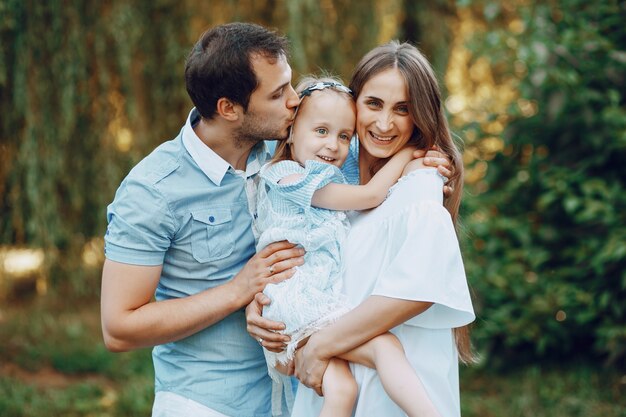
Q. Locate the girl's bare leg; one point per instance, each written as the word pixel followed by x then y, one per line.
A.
pixel 285 369
pixel 385 354
pixel 339 389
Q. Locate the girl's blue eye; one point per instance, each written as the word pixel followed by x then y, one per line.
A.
pixel 403 109
pixel 321 130
pixel 344 136
pixel 373 103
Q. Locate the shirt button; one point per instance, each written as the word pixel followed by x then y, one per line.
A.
pixel 211 219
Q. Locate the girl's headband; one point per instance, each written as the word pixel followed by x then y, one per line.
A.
pixel 322 85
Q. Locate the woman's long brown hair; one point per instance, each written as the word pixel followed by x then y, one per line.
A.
pixel 431 127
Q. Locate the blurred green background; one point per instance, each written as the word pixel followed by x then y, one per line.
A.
pixel 535 92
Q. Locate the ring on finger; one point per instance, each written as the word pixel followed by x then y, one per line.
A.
pixel 271 269
pixel 260 340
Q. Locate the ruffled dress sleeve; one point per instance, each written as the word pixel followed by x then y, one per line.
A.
pixel 314 175
pixel 424 260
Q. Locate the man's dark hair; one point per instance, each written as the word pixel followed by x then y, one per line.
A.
pixel 219 65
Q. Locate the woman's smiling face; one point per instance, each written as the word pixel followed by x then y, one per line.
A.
pixel 383 123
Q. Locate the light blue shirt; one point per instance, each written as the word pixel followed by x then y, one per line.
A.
pixel 187 209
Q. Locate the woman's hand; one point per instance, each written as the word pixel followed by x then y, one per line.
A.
pixel 263 330
pixel 310 366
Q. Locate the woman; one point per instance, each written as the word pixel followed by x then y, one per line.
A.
pixel 404 271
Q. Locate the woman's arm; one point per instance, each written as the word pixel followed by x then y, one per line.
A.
pixel 335 196
pixel 374 316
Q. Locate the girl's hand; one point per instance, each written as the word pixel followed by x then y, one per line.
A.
pixel 310 367
pixel 263 330
pixel 408 153
pixel 435 158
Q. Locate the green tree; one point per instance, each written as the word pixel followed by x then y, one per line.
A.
pixel 88 89
pixel 77 85
pixel 546 238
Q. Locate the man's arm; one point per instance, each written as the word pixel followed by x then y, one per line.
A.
pixel 131 320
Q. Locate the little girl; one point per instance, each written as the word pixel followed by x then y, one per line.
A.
pixel 301 197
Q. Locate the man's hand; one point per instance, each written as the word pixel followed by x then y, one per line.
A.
pixel 310 367
pixel 263 330
pixel 272 264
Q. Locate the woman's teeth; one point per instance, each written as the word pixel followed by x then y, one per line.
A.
pixel 381 138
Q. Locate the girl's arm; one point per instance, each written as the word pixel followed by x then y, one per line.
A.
pixel 374 316
pixel 335 196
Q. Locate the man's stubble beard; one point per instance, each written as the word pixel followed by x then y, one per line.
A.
pixel 254 130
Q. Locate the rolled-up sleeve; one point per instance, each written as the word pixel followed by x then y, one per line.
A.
pixel 140 224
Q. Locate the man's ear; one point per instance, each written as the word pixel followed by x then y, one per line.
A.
pixel 229 110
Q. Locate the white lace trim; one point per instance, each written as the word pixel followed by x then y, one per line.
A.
pixel 414 173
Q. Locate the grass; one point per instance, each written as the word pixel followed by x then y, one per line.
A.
pixel 54 364
pixel 578 390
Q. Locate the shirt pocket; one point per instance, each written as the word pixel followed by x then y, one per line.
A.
pixel 212 234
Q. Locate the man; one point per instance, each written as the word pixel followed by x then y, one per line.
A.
pixel 180 228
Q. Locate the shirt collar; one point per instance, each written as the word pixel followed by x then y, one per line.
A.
pixel 211 163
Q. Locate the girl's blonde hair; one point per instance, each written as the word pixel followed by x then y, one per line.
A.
pixel 430 126
pixel 334 84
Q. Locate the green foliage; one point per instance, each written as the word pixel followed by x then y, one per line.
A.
pixel 88 89
pixel 69 342
pixel 136 397
pixel 79 399
pixel 18 400
pixel 74 80
pixel 547 243
pixel 54 364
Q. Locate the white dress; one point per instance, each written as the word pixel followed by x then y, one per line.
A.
pixel 407 249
